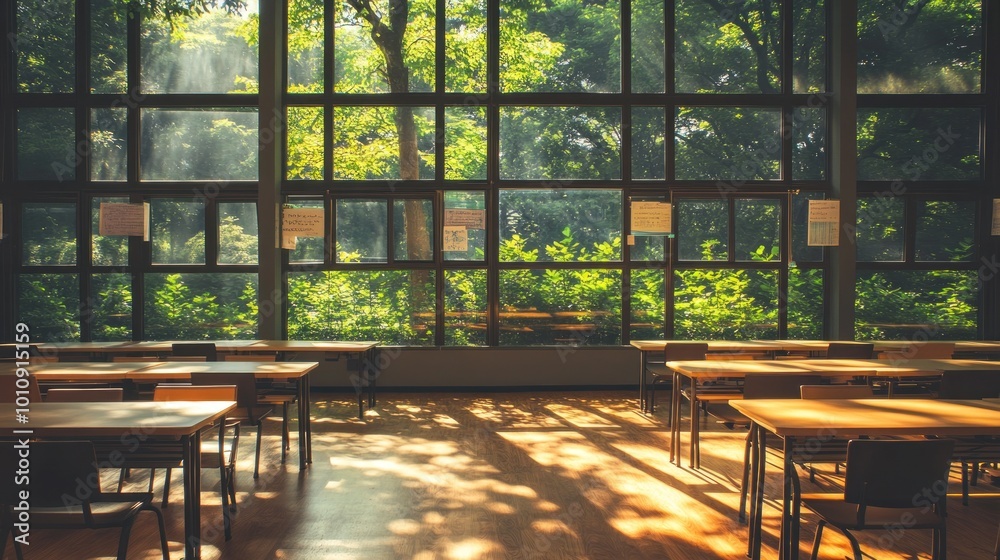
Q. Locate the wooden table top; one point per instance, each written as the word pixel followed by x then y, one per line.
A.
pixel 169 419
pixel 183 370
pixel 879 368
pixel 69 371
pixel 167 345
pixel 873 417
pixel 715 345
pixel 310 346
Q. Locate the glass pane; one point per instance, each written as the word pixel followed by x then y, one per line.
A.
pixel 649 248
pixel 108 155
pixel 561 307
pixel 880 229
pixel 237 233
pixel 465 142
pixel 465 308
pixel 48 234
pixel 214 52
pixel 563 45
pixel 305 143
pixel 758 230
pixel 108 47
pixel 648 74
pixel 801 251
pixel 564 225
pixel 809 144
pixel 809 29
pixel 106 250
pixel 919 144
pixel 50 305
pixel 649 151
pixel 560 143
pixel 366 143
pixel 178 231
pixel 44 43
pixel 945 230
pixel 466 209
pixel 729 46
pixel 702 230
pixel 305 46
pixel 390 306
pixel 413 230
pixel 727 143
pixel 917 305
pixel 198 145
pixel 45 145
pixel 360 65
pixel 109 308
pixel 726 304
pixel 915 46
pixel 805 303
pixel 648 297
pixel 465 37
pixel 201 306
pixel 361 231
pixel 307 249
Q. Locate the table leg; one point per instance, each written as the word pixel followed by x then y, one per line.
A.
pixel 191 451
pixel 675 423
pixel 693 459
pixel 308 417
pixel 373 373
pixel 757 504
pixel 302 384
pixel 643 407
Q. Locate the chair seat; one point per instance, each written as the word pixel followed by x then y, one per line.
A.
pixel 839 513
pixel 103 514
pixel 659 370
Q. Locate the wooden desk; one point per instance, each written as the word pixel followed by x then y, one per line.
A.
pixel 79 371
pixel 801 422
pixel 161 346
pixel 128 422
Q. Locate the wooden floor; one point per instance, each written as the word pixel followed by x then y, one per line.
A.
pixel 578 475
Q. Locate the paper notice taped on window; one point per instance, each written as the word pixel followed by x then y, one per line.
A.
pixel 467 218
pixel 302 222
pixel 116 218
pixel 456 238
pixel 824 223
pixel 651 218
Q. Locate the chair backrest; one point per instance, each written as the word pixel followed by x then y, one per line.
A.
pixel 850 350
pixel 836 392
pixel 677 351
pixel 250 357
pixel 776 386
pixel 72 394
pixel 167 392
pixel 922 351
pixel 60 470
pixel 135 359
pixel 206 349
pixel 894 473
pixel 970 384
pixel 11 384
pixel 187 359
pixel 246 385
pixel 727 356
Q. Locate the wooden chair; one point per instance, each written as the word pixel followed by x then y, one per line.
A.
pixel 850 350
pixel 836 392
pixel 100 394
pixel 921 351
pixel 248 411
pixel 660 374
pixel 972 451
pixel 57 469
pixel 272 393
pixel 885 481
pixel 206 350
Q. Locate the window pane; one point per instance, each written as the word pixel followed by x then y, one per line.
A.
pixel 918 144
pixel 566 225
pixel 466 209
pixel 413 230
pixel 945 230
pixel 465 142
pixel 560 143
pixel 648 74
pixel 726 304
pixel 880 229
pixel 648 297
pixel 198 145
pixel 237 233
pixel 563 307
pixel 106 250
pixel 919 47
pixel 305 46
pixel 649 248
pixel 562 46
pixel 917 305
pixel 649 126
pixel 361 231
pixel 108 155
pixel 46 31
pixel 201 306
pixel 758 230
pixel 730 46
pixel 307 249
pixel 306 143
pixel 801 250
pixel 360 67
pixel 366 143
pixel 50 305
pixel 465 37
pixel 702 230
pixel 178 231
pixel 727 143
pixel 809 29
pixel 45 144
pixel 809 144
pixel 805 303
pixel 48 234
pixel 108 47
pixel 391 306
pixel 465 307
pixel 214 52
pixel 109 308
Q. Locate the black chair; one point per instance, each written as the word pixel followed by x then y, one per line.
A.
pixel 11 388
pixel 661 375
pixel 249 412
pixel 886 481
pixel 206 350
pixel 57 469
pixel 974 451
pixel 850 350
